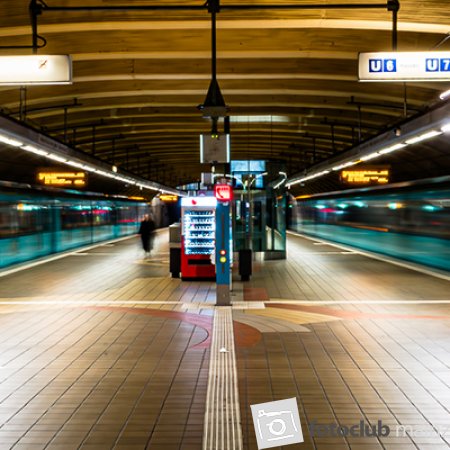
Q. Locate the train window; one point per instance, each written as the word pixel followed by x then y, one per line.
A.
pixel 127 214
pixel 23 218
pixel 102 214
pixel 76 215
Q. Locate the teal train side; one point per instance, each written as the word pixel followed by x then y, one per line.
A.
pixel 408 221
pixel 39 222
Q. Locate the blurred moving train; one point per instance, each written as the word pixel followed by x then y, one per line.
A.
pixel 35 222
pixel 410 220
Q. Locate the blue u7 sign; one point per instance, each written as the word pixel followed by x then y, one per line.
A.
pixel 404 66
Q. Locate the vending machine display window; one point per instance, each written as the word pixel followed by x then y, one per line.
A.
pixel 198 237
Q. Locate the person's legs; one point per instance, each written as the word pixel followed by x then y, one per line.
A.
pixel 145 244
pixel 150 243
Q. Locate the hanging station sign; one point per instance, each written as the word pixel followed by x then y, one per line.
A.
pixel 214 149
pixel 62 179
pixel 35 69
pixel 366 175
pixel 404 66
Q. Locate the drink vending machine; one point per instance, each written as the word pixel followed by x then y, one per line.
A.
pixel 198 226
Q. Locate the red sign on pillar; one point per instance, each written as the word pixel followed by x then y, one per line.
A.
pixel 223 192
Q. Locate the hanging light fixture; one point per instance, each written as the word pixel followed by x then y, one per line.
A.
pixel 214 105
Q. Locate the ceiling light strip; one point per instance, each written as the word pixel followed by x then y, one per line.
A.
pixel 64 159
pixel 369 156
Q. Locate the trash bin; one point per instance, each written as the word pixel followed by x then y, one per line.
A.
pixel 175 249
pixel 245 264
pixel 175 261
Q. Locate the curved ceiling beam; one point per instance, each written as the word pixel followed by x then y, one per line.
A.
pixel 242 107
pixel 259 93
pixel 228 24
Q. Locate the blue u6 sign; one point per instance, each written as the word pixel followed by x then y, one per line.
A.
pixel 404 66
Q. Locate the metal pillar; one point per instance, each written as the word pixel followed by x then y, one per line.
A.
pixel 223 254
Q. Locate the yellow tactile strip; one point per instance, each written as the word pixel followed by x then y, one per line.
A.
pixel 222 425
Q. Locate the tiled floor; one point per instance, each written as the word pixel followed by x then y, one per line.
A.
pixel 369 360
pixel 104 350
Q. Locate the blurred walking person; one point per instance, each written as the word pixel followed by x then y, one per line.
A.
pixel 146 231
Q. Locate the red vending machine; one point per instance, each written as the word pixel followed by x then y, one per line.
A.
pixel 198 237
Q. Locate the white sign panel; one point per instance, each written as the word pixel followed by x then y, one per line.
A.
pixel 35 69
pixel 404 66
pixel 198 201
pixel 214 149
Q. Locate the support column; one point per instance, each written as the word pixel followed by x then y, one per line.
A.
pixel 223 254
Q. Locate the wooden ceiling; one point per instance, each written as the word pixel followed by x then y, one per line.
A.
pixel 289 78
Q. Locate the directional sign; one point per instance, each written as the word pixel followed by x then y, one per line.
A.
pixel 404 66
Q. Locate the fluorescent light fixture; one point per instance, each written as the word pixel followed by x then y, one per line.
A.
pixel 259 119
pixel 105 174
pixel 35 69
pixel 370 156
pixel 284 174
pixel 446 128
pixel 342 166
pixel 310 177
pixel 37 151
pixel 89 168
pixel 56 158
pixel 444 95
pixel 423 137
pixel 9 141
pixel 75 164
pixel 392 148
pixel 62 158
